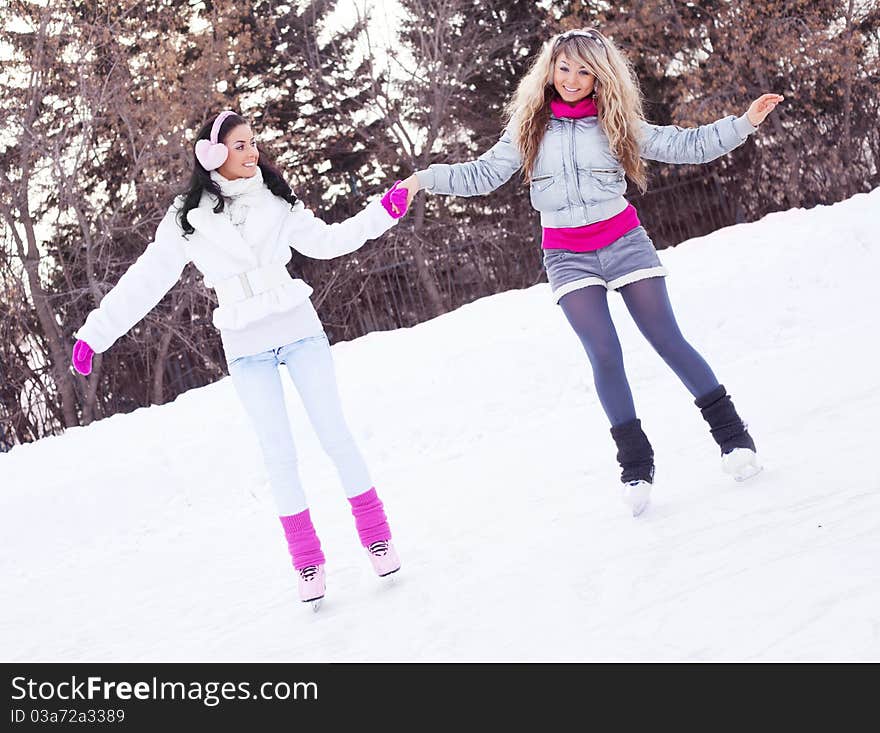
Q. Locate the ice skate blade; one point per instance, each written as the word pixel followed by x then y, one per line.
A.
pixel 389 579
pixel 315 603
pixel 747 473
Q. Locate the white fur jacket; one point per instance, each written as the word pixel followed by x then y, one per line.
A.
pixel 265 229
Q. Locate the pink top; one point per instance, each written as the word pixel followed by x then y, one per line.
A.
pixel 601 233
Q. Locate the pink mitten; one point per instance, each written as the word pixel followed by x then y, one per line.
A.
pixel 395 197
pixel 82 357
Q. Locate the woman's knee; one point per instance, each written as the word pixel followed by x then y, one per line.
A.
pixel 671 346
pixel 339 446
pixel 605 355
pixel 283 456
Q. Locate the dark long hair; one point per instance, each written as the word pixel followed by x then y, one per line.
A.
pixel 200 180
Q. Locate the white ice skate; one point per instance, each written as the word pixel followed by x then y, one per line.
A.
pixel 636 495
pixel 741 463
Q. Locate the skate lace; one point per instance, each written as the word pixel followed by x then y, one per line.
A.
pixel 379 548
pixel 308 573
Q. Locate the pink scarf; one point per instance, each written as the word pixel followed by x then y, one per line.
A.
pixel 585 108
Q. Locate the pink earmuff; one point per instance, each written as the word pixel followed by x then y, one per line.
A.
pixel 210 153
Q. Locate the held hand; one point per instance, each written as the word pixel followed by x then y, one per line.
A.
pixel 763 106
pixel 412 187
pixel 82 357
pixel 394 201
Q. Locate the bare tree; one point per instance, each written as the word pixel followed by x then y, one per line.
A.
pixel 446 102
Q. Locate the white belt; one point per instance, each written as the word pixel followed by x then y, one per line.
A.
pixel 248 284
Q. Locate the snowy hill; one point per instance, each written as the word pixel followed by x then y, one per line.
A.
pixel 152 536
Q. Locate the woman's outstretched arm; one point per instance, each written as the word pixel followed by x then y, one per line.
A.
pixel 673 144
pixel 138 291
pixel 473 178
pixel 315 238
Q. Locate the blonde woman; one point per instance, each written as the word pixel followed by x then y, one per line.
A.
pixel 577 130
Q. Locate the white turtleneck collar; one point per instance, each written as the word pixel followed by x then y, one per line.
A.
pixel 240 186
pixel 241 195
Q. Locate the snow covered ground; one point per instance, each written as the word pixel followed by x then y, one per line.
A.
pixel 152 536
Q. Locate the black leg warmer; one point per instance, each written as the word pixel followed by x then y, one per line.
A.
pixel 634 453
pixel 725 425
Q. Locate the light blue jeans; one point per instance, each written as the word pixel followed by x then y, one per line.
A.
pixel 258 383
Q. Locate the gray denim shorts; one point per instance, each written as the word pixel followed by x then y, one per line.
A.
pixel 630 258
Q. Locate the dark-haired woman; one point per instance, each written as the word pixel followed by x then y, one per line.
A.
pixel 237 223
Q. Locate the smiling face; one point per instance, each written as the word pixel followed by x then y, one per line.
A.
pixel 573 82
pixel 243 154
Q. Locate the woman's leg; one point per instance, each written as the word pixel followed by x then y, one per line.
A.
pixel 310 364
pixel 311 367
pixel 587 311
pixel 648 303
pixel 258 384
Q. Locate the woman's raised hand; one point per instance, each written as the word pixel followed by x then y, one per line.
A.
pixel 763 106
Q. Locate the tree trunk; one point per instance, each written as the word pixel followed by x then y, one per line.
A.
pixel 849 78
pixel 58 356
pixel 793 195
pixel 423 269
pixel 159 368
pixel 90 398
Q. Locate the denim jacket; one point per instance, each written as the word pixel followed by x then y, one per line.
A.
pixel 576 178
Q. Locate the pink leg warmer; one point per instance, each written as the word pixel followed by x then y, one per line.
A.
pixel 369 517
pixel 303 543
